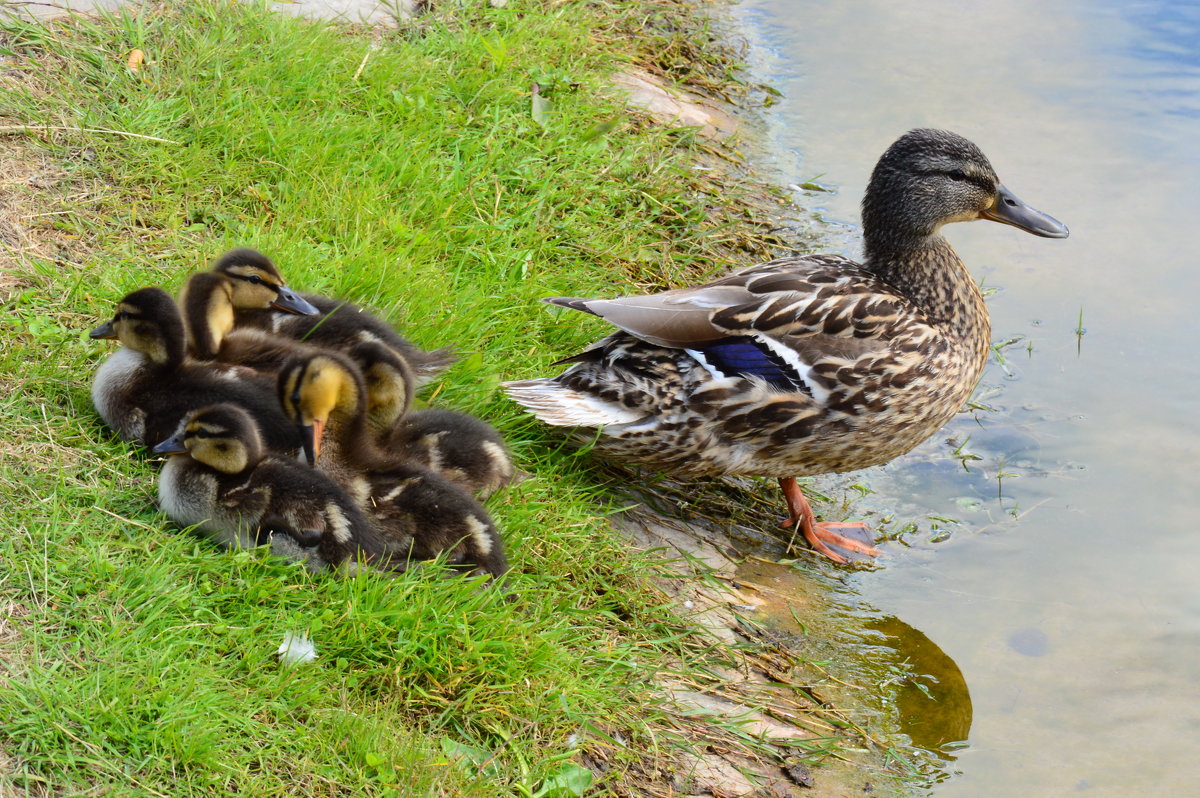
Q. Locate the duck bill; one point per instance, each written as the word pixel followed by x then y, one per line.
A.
pixel 1009 209
pixel 105 330
pixel 288 300
pixel 310 440
pixel 172 445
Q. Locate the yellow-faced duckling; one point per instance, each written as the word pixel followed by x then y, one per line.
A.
pixel 220 480
pixel 807 364
pixel 419 514
pixel 462 448
pixel 210 300
pixel 144 389
pixel 338 325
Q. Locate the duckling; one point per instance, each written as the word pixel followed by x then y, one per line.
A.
pixel 209 302
pixel 419 513
pixel 338 325
pixel 807 364
pixel 462 448
pixel 143 390
pixel 220 479
pixel 210 299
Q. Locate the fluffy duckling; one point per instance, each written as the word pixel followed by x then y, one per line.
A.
pixel 211 299
pixel 417 512
pixel 220 480
pixel 145 388
pixel 209 302
pixel 462 448
pixel 338 325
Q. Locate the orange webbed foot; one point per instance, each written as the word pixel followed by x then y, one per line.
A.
pixel 821 536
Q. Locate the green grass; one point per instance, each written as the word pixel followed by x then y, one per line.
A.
pixel 140 660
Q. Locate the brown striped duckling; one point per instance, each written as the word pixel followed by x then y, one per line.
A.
pixel 220 479
pixel 418 513
pixel 808 364
pixel 338 325
pixel 144 389
pixel 210 301
pixel 462 448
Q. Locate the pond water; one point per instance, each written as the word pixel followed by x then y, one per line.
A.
pixel 1058 570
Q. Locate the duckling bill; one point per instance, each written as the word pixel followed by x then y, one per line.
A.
pixel 807 364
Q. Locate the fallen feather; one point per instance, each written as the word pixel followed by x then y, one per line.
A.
pixel 296 648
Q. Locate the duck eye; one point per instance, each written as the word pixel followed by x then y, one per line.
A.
pixel 254 278
pixel 957 175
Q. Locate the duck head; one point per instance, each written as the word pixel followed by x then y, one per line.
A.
pixel 388 380
pixel 147 321
pixel 255 282
pixel 223 437
pixel 313 389
pixel 929 178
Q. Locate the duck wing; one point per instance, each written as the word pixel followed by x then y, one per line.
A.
pixel 789 297
pixel 773 321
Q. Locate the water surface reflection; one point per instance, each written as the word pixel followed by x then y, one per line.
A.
pixel 933 704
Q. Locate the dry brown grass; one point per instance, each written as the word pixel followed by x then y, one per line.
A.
pixel 39 185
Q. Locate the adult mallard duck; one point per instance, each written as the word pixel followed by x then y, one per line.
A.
pixel 807 364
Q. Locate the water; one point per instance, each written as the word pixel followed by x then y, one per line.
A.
pixel 1062 582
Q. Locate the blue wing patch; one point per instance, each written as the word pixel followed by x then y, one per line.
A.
pixel 748 357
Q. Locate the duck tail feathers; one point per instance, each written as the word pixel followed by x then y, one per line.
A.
pixel 572 302
pixel 560 406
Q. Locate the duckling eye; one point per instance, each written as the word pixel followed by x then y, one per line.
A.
pixel 957 175
pixel 254 278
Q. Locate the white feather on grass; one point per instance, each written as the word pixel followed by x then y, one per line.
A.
pixel 296 648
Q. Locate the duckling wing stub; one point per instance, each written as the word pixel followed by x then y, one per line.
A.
pixel 305 535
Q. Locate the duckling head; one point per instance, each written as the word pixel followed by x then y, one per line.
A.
pixel 223 437
pixel 255 282
pixel 147 321
pixel 929 178
pixel 315 388
pixel 388 380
